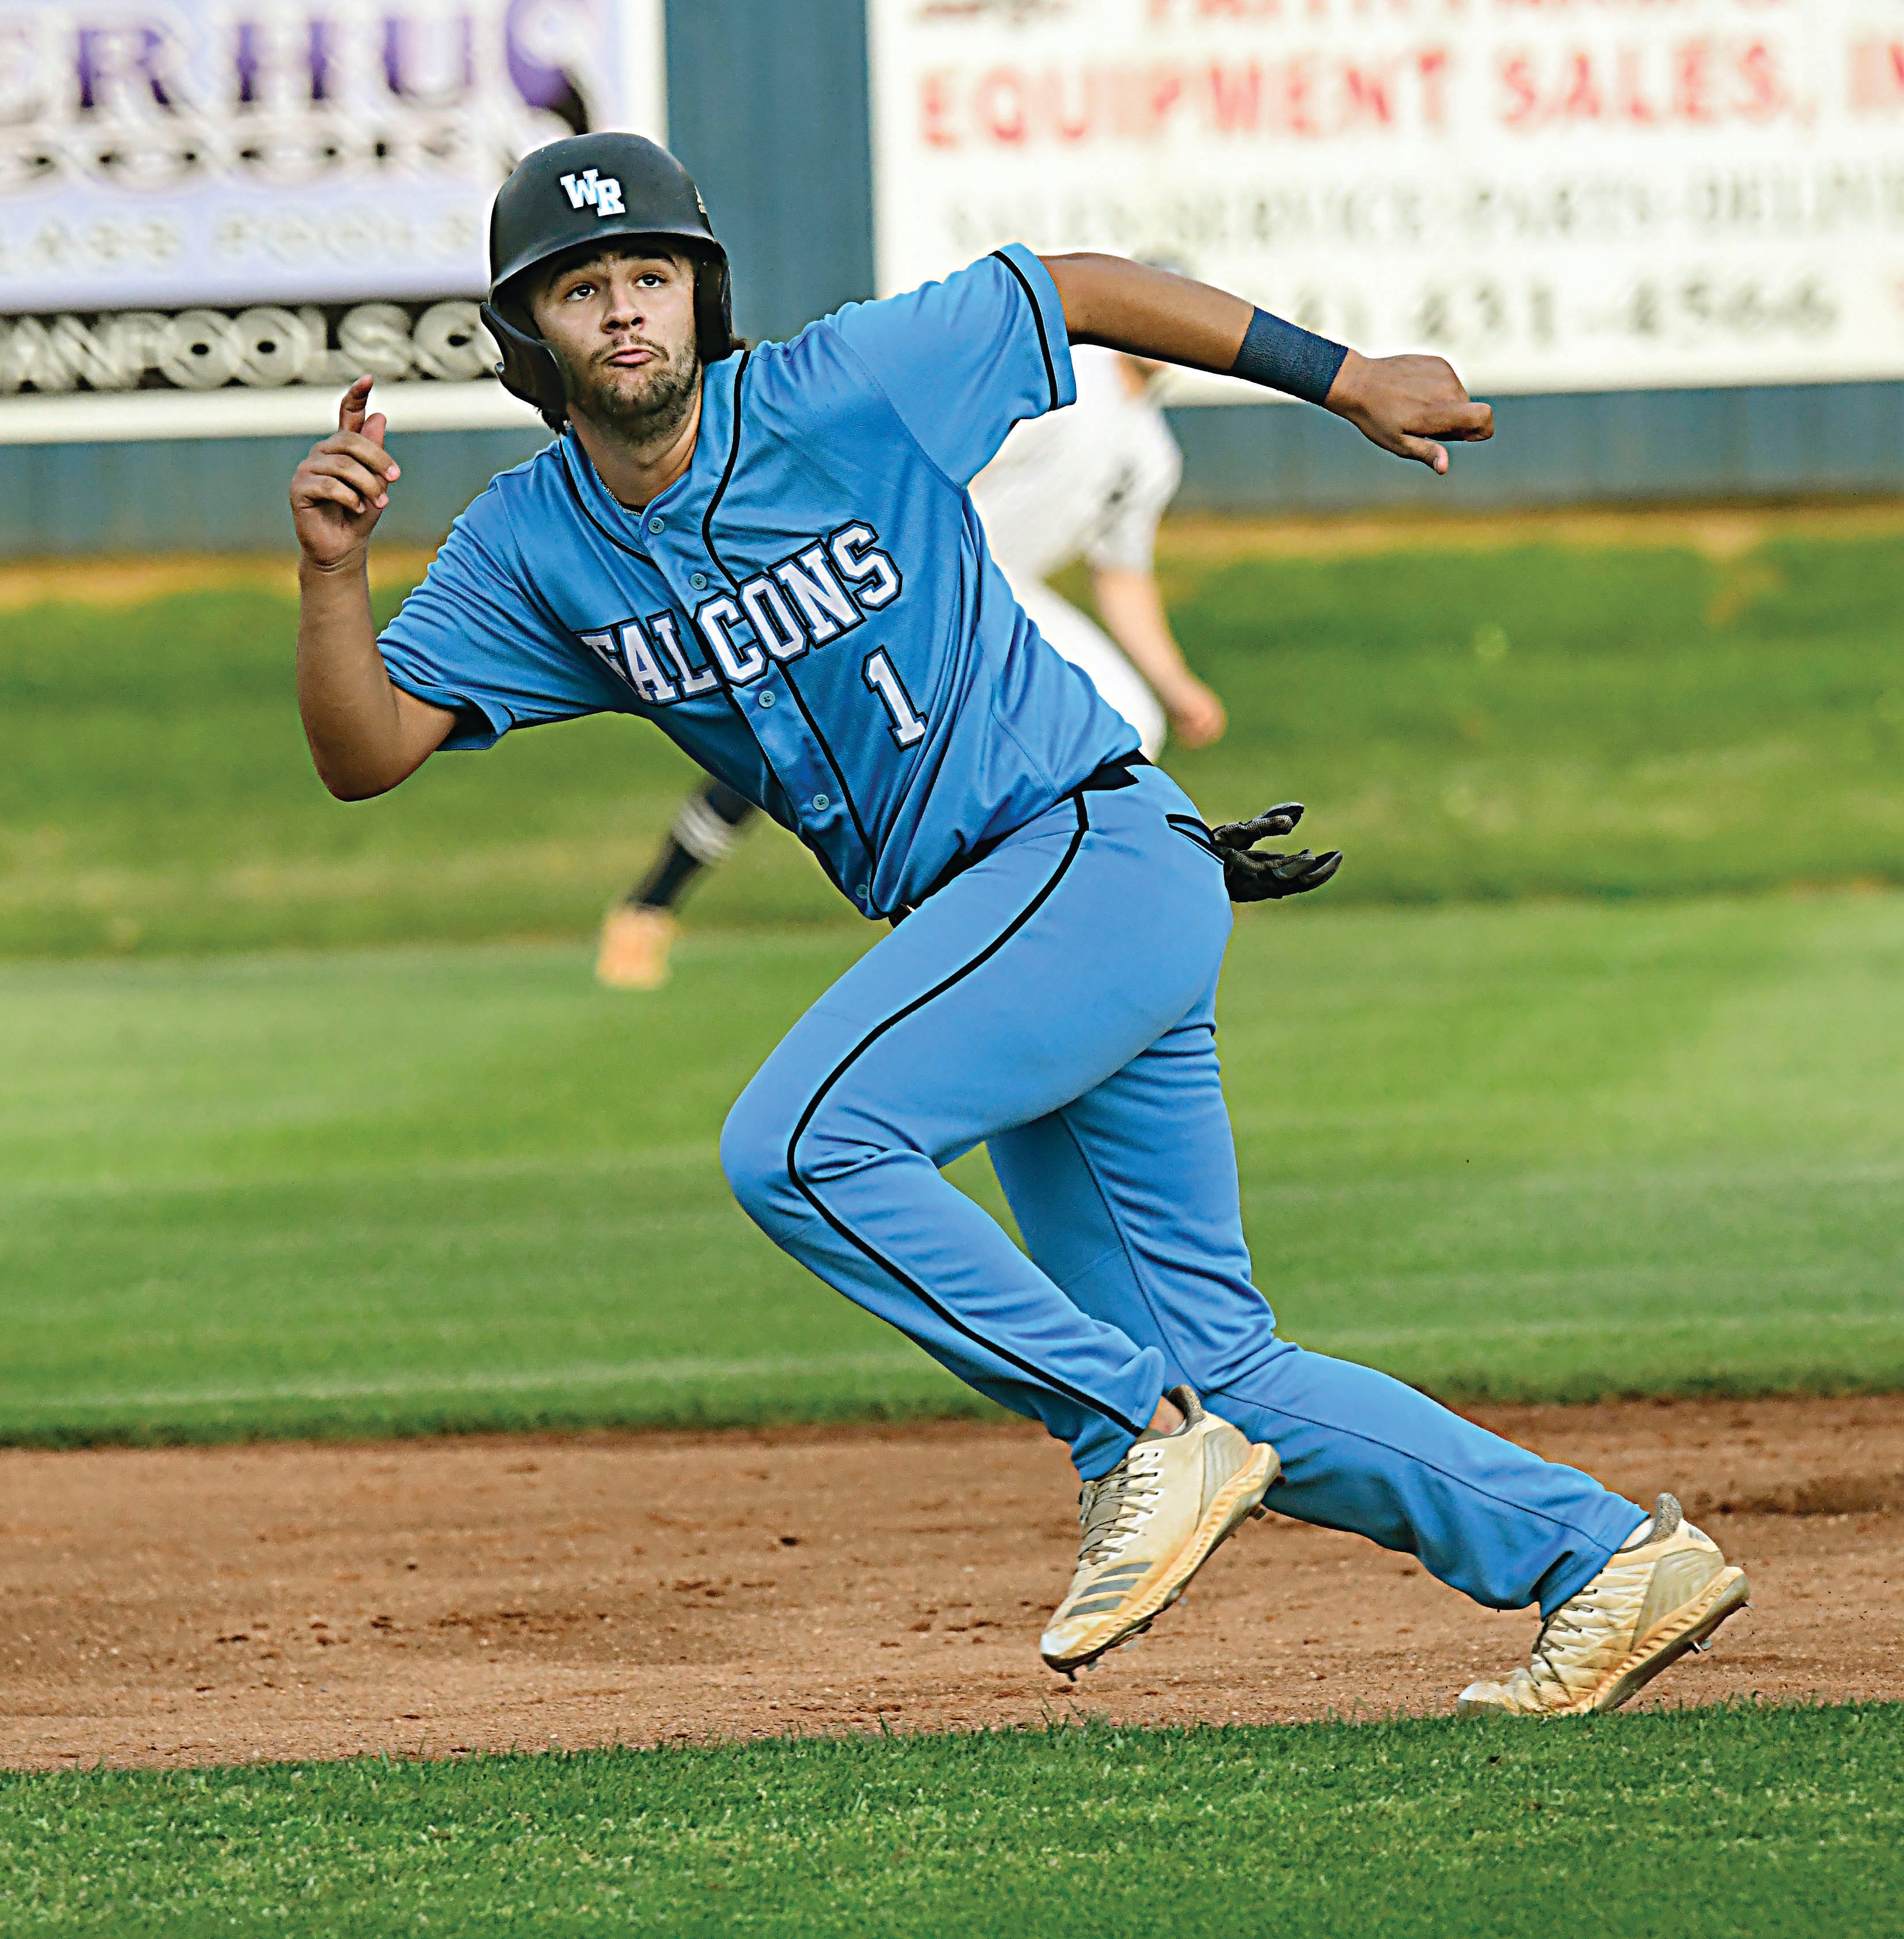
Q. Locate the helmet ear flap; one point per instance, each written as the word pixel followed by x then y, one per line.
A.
pixel 528 369
pixel 713 307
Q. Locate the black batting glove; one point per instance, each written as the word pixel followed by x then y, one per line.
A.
pixel 1251 877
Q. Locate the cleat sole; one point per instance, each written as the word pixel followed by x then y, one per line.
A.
pixel 1687 1629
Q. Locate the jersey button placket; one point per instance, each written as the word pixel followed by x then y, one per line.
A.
pixel 795 755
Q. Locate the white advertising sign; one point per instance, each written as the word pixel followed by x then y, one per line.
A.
pixel 220 197
pixel 1562 195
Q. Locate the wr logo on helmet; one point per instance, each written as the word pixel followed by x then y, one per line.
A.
pixel 601 192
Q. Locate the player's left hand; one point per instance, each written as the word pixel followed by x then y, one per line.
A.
pixel 1405 403
pixel 1267 876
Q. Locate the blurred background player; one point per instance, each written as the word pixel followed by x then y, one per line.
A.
pixel 1091 483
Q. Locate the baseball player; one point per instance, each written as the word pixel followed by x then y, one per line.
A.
pixel 772 554
pixel 1091 481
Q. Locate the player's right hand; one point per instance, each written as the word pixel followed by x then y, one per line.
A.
pixel 340 490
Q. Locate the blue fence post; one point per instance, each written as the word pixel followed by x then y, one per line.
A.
pixel 769 110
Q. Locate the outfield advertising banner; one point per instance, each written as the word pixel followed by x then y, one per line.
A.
pixel 212 211
pixel 1562 195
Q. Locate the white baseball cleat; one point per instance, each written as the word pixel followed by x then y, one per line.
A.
pixel 633 952
pixel 1149 1525
pixel 1663 1592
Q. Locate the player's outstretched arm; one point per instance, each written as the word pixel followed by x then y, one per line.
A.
pixel 366 733
pixel 1404 404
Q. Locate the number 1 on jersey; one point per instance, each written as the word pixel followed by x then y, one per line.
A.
pixel 908 724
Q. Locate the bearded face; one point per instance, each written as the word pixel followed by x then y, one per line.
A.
pixel 621 327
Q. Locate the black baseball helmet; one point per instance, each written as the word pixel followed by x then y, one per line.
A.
pixel 579 194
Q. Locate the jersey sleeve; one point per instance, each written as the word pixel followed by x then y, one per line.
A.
pixel 473 638
pixel 963 360
pixel 1124 538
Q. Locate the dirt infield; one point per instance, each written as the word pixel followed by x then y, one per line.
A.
pixel 202 1605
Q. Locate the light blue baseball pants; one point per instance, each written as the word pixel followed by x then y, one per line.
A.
pixel 1056 1003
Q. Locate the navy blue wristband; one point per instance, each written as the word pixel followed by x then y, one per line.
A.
pixel 1283 357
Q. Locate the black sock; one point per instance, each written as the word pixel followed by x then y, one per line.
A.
pixel 703 834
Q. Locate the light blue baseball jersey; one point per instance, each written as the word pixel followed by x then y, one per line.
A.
pixel 811 610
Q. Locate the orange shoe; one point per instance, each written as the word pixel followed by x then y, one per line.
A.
pixel 633 953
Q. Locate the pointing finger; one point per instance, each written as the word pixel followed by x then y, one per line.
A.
pixel 350 406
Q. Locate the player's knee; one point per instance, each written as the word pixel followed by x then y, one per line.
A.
pixel 754 1143
pixel 781 1157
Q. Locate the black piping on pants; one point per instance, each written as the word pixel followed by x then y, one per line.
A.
pixel 845 1063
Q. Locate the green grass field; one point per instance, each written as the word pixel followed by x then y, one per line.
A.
pixel 1549 1151
pixel 1769 1823
pixel 1542 720
pixel 1553 1094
